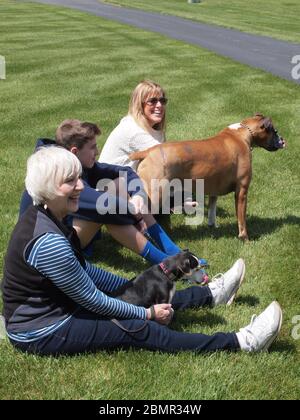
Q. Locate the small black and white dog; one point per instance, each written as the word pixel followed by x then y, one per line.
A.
pixel 157 283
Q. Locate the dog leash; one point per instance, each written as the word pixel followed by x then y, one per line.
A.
pixel 116 322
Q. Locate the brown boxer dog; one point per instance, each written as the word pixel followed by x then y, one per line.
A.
pixel 223 161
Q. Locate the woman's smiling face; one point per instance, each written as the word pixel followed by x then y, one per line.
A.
pixel 154 109
pixel 67 199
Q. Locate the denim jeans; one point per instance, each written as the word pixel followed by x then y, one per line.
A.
pixel 88 332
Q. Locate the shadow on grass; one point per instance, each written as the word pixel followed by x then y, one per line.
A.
pixel 186 318
pixel 280 346
pixel 183 319
pixel 247 300
pixel 256 227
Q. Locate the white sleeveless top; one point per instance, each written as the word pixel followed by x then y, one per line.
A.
pixel 126 138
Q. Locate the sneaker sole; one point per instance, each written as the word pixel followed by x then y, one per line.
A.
pixel 272 339
pixel 230 301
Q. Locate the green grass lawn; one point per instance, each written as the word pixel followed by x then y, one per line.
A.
pixel 278 19
pixel 66 64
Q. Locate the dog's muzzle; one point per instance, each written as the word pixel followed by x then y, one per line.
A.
pixel 277 142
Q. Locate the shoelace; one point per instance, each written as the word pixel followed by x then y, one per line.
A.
pixel 250 338
pixel 218 280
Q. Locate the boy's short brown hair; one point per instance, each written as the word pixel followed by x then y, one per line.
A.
pixel 75 133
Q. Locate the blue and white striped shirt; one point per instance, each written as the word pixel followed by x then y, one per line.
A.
pixel 53 257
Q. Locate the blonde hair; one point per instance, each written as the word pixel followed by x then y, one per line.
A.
pixel 143 91
pixel 47 169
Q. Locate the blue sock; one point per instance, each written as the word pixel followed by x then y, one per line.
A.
pixel 153 254
pixel 162 239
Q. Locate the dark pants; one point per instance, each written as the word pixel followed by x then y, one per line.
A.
pixel 86 331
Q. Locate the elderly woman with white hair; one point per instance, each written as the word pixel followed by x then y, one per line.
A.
pixel 55 302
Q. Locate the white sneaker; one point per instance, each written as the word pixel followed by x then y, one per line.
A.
pixel 262 330
pixel 225 286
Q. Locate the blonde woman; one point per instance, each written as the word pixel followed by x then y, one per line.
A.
pixel 143 127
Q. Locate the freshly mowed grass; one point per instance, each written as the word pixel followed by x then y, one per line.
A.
pixel 62 64
pixel 278 19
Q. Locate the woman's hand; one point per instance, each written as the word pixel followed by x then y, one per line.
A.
pixel 162 313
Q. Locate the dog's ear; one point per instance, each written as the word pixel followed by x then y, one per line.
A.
pixel 267 124
pixel 258 114
pixel 194 262
pixel 189 261
pixel 186 265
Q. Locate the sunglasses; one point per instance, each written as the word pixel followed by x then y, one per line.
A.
pixel 153 101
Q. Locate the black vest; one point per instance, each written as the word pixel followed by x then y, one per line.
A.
pixel 30 300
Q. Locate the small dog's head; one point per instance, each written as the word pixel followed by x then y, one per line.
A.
pixel 181 264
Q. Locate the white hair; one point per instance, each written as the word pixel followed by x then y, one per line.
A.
pixel 47 169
